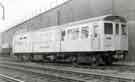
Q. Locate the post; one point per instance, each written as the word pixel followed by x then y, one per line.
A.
pixel 3 8
pixel 58 17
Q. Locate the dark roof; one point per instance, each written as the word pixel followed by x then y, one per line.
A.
pixel 115 18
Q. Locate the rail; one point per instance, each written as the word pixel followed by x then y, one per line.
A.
pixel 10 79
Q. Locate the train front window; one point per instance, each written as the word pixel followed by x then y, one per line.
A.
pixel 108 28
pixel 124 30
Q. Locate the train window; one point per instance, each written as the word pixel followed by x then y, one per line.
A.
pixel 117 29
pixel 24 37
pixel 108 28
pixel 75 34
pixel 94 31
pixel 69 34
pixel 21 38
pixel 63 35
pixel 84 32
pixel 124 30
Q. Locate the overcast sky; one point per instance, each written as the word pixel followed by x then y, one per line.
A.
pixel 17 11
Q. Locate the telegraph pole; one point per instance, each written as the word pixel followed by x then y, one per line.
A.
pixel 3 9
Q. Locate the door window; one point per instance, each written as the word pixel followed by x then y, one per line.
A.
pixel 117 29
pixel 95 30
pixel 63 33
pixel 124 30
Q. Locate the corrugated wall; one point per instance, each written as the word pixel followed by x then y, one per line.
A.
pixel 70 11
pixel 126 8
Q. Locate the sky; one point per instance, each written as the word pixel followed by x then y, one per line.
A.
pixel 17 11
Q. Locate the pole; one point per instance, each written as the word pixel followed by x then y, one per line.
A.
pixel 3 8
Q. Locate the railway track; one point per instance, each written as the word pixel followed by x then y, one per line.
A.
pixel 5 78
pixel 118 67
pixel 71 74
pixel 68 76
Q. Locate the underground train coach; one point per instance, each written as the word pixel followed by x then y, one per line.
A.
pixel 99 40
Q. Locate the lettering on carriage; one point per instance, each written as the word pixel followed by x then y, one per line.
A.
pixel 108 45
pixel 109 38
pixel 44 46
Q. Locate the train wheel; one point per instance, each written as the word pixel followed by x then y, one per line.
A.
pixel 108 60
pixel 97 60
pixel 74 60
pixel 52 58
pixel 31 58
pixel 20 58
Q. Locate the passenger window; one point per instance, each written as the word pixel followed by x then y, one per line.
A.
pixel 108 28
pixel 63 35
pixel 124 30
pixel 117 29
pixel 84 32
pixel 21 38
pixel 24 37
pixel 75 34
pixel 69 34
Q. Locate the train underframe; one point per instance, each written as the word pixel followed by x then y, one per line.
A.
pixel 92 58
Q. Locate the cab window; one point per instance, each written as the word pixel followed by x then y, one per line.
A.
pixel 108 28
pixel 84 32
pixel 124 30
pixel 117 29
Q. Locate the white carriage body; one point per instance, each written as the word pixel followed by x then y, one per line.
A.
pixel 82 36
pixel 22 43
pixel 96 40
pixel 46 40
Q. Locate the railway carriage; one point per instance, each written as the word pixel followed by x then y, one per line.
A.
pixel 100 40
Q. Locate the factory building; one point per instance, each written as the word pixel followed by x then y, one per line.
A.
pixel 74 10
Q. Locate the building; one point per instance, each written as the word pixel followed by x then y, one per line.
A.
pixel 126 8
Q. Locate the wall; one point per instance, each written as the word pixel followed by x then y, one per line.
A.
pixel 126 8
pixel 72 10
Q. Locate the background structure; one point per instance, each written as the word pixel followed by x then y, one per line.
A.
pixel 126 8
pixel 74 10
